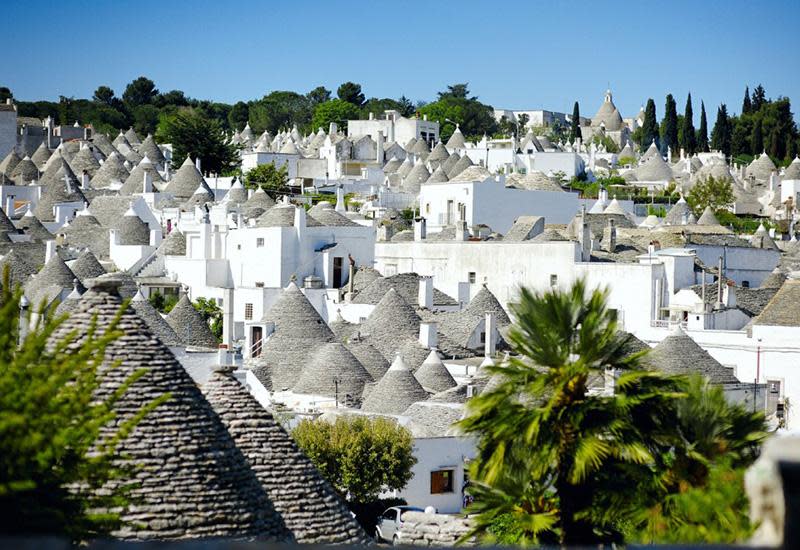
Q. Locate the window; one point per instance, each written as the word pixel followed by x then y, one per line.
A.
pixel 390 514
pixel 428 208
pixel 441 482
pixel 745 284
pixel 259 284
pixel 471 277
pixel 483 337
pixel 260 242
pixel 248 312
pixel 553 279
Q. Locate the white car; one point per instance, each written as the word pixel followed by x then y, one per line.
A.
pixel 390 521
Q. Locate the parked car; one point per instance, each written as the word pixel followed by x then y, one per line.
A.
pixel 389 523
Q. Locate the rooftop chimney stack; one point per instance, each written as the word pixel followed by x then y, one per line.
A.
pixel 425 296
pixel 85 180
pixel 49 251
pixel 610 236
pixel 489 328
pixel 333 129
pixel 428 336
pixel 379 149
pixel 420 229
pixel 147 182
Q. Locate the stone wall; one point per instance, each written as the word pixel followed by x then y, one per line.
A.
pixel 421 529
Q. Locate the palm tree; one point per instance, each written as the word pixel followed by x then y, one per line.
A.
pixel 546 442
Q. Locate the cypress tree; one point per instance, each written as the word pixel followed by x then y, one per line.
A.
pixel 575 128
pixel 747 107
pixel 649 126
pixel 702 133
pixel 721 135
pixel 669 126
pixel 757 138
pixel 686 136
pixel 759 98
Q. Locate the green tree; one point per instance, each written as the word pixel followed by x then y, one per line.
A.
pixel 649 126
pixel 211 313
pixel 163 303
pixel 53 458
pixel 548 449
pixel 473 117
pixel 145 119
pixel 759 98
pixel 141 91
pixel 193 134
pixel 669 126
pixel 747 106
pixel 686 135
pixel 756 138
pixel 318 95
pixel 702 132
pixel 280 110
pixel 5 93
pixel 103 95
pixel 359 456
pixel 268 177
pixel 351 93
pixel 522 123
pixel 575 124
pixel 174 98
pixel 721 134
pixel 335 110
pixel 741 131
pixel 239 115
pixel 716 193
pixel 406 106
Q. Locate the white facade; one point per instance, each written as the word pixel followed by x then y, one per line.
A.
pixel 396 128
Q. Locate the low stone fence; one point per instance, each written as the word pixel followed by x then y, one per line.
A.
pixel 421 529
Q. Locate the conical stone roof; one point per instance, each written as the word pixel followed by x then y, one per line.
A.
pixel 189 325
pixel 433 375
pixel 761 168
pixel 259 199
pixel 792 171
pixel 104 144
pixel 85 231
pixel 132 137
pixel 675 216
pixel 24 172
pixel 405 168
pixel 333 369
pixel 87 267
pixel 154 321
pixel 708 217
pixel 462 164
pixel 370 358
pixel 439 176
pixel 237 194
pixel 438 153
pixel 9 163
pixel 132 230
pixel 174 244
pixel 192 481
pixel 457 140
pixel 111 171
pixel 299 331
pixel 679 354
pixel 151 150
pixel 654 169
pixel 5 223
pixel 413 353
pixel 54 274
pixel 135 182
pixel 41 155
pixel 309 506
pixel 395 392
pixel 186 180
pixel 32 227
pixel 391 323
pixel 84 160
pixel 20 268
pixel 450 162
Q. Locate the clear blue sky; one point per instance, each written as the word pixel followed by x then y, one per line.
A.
pixel 513 54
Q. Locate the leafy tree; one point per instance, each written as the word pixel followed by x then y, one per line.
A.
pixel 318 95
pixel 145 119
pixel 474 118
pixel 104 95
pixel 173 97
pixel 53 458
pixel 759 98
pixel 280 110
pixel 351 93
pixel 686 135
pixel 192 133
pixel 669 126
pixel 359 456
pixel 406 107
pixel 378 106
pixel 267 176
pixel 335 110
pixel 721 134
pixel 163 303
pixel 5 93
pixel 575 124
pixel 649 126
pixel 547 447
pixel 756 138
pixel 239 115
pixel 741 131
pixel 716 193
pixel 211 313
pixel 141 91
pixel 505 127
pixel 747 106
pixel 702 132
pixel 522 123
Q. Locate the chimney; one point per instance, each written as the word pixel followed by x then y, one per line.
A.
pixel 372 116
pixel 300 219
pixel 147 182
pixel 340 200
pixel 24 318
pixel 773 181
pixel 198 164
pixel 585 238
pixel 385 233
pixel 424 117
pixel 420 229
pixel 227 317
pixel 85 180
pixel 49 251
pixel 333 129
pixel 462 233
pixel 10 205
pixel 728 296
pixel 489 328
pixel 425 295
pixel 379 149
pixel 427 334
pixel 610 237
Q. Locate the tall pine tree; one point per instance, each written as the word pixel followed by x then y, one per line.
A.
pixel 649 126
pixel 747 106
pixel 669 126
pixel 702 132
pixel 757 138
pixel 575 126
pixel 721 134
pixel 759 98
pixel 686 136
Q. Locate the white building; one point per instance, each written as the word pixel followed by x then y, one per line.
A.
pixel 396 128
